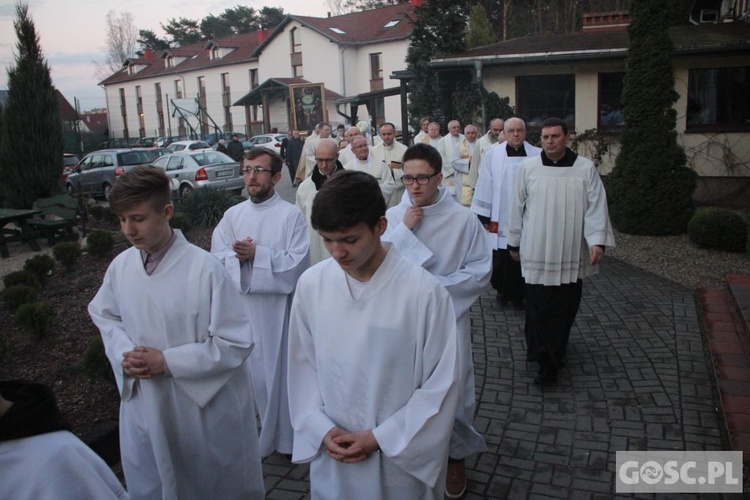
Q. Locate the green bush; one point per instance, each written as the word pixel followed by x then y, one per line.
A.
pixel 17 295
pixel 206 206
pixel 67 254
pixel 180 221
pixel 100 243
pixel 24 277
pixel 37 319
pixel 97 212
pixel 95 362
pixel 720 229
pixel 41 265
pixel 110 217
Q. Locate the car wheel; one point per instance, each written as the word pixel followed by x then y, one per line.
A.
pixel 185 190
pixel 107 189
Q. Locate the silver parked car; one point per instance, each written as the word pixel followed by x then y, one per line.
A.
pixel 98 171
pixel 194 169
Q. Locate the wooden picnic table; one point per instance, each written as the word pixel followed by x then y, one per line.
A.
pixel 22 231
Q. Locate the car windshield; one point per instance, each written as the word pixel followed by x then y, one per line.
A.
pixel 135 157
pixel 211 158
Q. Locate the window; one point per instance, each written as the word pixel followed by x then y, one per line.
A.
pixel 295 40
pixel 610 100
pixel 178 89
pixel 169 62
pixel 253 78
pixel 545 96
pixel 376 66
pixel 719 98
pixel 391 24
pixel 215 53
pixel 338 31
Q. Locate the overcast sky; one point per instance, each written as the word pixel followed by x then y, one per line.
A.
pixel 73 33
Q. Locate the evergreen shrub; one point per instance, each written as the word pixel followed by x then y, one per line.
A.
pixel 41 265
pixel 37 319
pixel 206 206
pixel 17 295
pixel 95 362
pixel 67 254
pixel 23 277
pixel 100 243
pixel 719 229
pixel 97 212
pixel 180 221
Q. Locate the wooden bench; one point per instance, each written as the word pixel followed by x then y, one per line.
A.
pixel 59 216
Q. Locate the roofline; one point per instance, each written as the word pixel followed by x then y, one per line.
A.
pixel 331 38
pixel 175 71
pixel 537 56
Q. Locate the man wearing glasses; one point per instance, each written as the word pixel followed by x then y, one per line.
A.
pixel 326 163
pixel 264 245
pixel 430 228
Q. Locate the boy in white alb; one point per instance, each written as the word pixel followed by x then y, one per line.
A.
pixel 372 357
pixel 177 337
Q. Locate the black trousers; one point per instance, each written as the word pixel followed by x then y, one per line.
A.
pixel 550 313
pixel 506 277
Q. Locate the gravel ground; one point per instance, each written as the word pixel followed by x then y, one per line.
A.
pixel 679 260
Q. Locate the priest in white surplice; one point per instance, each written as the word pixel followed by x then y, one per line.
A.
pixel 346 154
pixel 469 150
pixel 326 164
pixel 307 159
pixel 178 340
pixel 449 148
pixel 264 244
pixel 494 135
pixel 390 152
pixel 492 196
pixel 430 228
pixel 365 162
pixel 372 358
pixel 423 124
pixel 559 220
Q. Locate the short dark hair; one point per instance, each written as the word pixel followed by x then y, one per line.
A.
pixel 139 184
pixel 276 160
pixel 555 122
pixel 389 124
pixel 424 152
pixel 348 198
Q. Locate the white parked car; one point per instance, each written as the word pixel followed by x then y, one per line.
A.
pixel 188 146
pixel 190 170
pixel 268 141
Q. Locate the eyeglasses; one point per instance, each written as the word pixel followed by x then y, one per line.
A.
pixel 325 160
pixel 255 170
pixel 408 180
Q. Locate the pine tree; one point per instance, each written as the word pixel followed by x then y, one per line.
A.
pixel 480 31
pixel 31 140
pixel 439 28
pixel 650 188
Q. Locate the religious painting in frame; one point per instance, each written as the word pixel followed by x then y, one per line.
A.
pixel 308 105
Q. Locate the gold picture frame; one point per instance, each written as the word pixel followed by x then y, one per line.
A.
pixel 308 105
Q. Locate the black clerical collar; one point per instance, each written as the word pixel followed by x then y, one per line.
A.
pixel 319 179
pixel 566 161
pixel 511 151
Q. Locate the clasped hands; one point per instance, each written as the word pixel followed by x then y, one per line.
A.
pixel 350 447
pixel 143 362
pixel 244 250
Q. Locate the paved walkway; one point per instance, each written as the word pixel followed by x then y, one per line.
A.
pixel 637 377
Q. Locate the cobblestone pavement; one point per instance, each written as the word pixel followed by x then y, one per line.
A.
pixel 637 377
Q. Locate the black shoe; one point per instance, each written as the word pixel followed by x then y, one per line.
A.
pixel 546 377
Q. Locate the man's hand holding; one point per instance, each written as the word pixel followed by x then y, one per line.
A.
pixel 413 216
pixel 244 250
